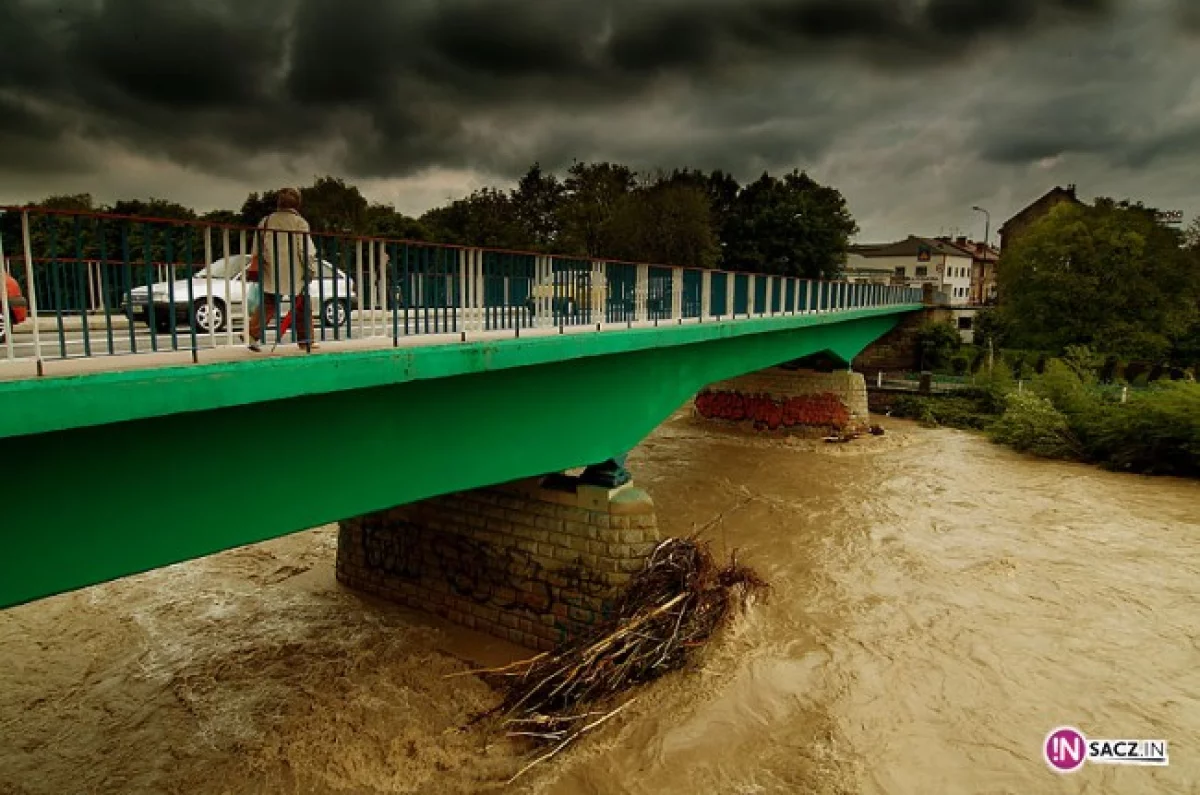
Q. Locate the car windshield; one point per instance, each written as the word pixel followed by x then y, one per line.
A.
pixel 231 266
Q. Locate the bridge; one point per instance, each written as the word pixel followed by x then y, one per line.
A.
pixel 452 384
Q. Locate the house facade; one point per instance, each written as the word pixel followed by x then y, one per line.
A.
pixel 915 262
pixel 962 271
pixel 1014 227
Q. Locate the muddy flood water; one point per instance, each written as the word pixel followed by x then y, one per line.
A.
pixel 939 605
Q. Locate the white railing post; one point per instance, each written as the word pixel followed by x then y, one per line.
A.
pixel 705 295
pixel 32 285
pixel 376 294
pixel 677 294
pixel 599 290
pixel 358 280
pixel 769 295
pixel 641 293
pixel 751 294
pixel 479 293
pixel 547 276
pixel 729 294
pixel 208 261
pixel 464 289
pixel 379 279
pixel 4 311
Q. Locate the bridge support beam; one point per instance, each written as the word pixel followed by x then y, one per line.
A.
pixel 789 400
pixel 535 561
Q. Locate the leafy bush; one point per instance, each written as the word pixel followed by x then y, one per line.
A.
pixel 950 412
pixel 978 362
pixel 1082 361
pixel 960 364
pixel 1066 391
pixel 1030 423
pixel 995 388
pixel 1156 432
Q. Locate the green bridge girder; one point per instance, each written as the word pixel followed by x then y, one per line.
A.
pixel 118 473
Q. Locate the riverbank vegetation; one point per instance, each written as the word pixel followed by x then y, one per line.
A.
pixel 1093 351
pixel 1069 413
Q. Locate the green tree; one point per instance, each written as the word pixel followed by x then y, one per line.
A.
pixel 535 204
pixel 1110 277
pixel 383 220
pixel 227 217
pixel 256 207
pixel 791 227
pixel 592 195
pixel 665 222
pixel 485 218
pixel 333 207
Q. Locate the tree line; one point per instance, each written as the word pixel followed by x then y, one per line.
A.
pixel 789 225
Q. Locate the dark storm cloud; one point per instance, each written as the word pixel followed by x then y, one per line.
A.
pixel 1127 99
pixel 700 35
pixel 405 85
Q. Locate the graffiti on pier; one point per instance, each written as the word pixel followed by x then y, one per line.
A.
pixel 768 413
pixel 392 548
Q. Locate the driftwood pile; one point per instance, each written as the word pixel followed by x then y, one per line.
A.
pixel 671 608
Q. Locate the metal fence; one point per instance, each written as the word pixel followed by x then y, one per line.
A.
pixel 98 284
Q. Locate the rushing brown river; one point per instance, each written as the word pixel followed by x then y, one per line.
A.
pixel 939 605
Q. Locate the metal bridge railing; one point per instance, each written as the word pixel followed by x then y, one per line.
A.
pixel 83 285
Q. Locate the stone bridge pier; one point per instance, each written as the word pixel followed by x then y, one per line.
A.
pixel 536 561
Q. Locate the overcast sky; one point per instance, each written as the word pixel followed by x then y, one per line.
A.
pixel 915 109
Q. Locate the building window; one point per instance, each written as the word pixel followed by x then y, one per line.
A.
pixel 899 270
pixel 922 270
pixel 964 323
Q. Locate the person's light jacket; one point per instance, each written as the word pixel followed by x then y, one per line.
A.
pixel 285 254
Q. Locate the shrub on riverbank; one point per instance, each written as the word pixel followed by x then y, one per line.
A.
pixel 1032 424
pixel 1066 413
pixel 1157 432
pixel 964 413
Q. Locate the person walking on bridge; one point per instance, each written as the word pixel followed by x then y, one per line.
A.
pixel 283 261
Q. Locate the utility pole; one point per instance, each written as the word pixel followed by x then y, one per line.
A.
pixel 987 228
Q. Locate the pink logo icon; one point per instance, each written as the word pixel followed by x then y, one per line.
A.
pixel 1065 749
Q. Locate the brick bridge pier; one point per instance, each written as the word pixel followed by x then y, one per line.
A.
pixel 535 561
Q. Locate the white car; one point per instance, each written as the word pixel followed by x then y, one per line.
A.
pixel 332 296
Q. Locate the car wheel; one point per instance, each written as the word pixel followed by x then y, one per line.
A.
pixel 162 321
pixel 208 319
pixel 336 313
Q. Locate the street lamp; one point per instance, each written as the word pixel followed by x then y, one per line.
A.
pixel 987 229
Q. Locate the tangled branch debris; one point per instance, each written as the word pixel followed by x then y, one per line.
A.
pixel 672 607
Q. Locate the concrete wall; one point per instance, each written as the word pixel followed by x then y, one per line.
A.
pixel 789 400
pixel 526 563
